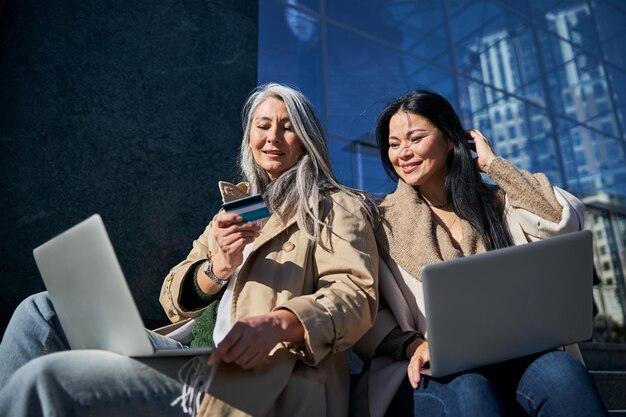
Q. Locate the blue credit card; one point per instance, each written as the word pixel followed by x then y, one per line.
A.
pixel 249 208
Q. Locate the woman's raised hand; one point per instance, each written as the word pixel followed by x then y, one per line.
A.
pixel 232 236
pixel 482 148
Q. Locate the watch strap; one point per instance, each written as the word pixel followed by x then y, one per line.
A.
pixel 206 267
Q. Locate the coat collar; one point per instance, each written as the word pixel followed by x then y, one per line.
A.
pixel 271 229
pixel 409 236
pixel 231 192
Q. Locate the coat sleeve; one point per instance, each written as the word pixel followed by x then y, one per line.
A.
pixel 526 191
pixel 345 302
pixel 533 208
pixel 174 284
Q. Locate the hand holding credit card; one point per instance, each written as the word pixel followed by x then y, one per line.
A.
pixel 249 208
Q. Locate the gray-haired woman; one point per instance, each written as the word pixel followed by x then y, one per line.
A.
pixel 282 298
pixel 295 291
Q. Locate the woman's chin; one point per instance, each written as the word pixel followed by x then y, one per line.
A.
pixel 412 180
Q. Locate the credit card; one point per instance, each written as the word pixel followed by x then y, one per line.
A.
pixel 249 208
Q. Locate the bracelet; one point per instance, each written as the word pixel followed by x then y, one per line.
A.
pixel 206 267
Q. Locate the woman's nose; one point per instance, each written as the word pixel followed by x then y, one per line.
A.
pixel 272 136
pixel 405 152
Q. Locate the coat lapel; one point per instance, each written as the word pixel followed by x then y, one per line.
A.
pixel 411 238
pixel 272 228
pixel 407 233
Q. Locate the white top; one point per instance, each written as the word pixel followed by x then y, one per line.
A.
pixel 222 321
pixel 418 309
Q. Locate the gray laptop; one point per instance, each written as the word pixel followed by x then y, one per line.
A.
pixel 90 294
pixel 508 303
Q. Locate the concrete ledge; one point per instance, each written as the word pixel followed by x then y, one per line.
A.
pixel 612 387
pixel 604 356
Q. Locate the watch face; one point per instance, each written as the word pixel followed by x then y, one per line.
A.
pixel 206 267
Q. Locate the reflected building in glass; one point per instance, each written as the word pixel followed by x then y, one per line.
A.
pixel 545 80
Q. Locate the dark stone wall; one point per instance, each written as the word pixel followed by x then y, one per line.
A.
pixel 130 109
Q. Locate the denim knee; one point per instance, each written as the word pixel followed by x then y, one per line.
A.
pixel 558 381
pixel 554 371
pixel 472 384
pixel 475 392
pixel 40 372
pixel 34 389
pixel 89 381
pixel 35 304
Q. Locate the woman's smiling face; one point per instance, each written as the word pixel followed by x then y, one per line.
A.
pixel 274 144
pixel 418 150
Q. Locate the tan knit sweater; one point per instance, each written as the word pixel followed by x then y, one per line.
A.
pixel 409 235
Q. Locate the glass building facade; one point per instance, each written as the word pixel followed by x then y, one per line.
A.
pixel 545 80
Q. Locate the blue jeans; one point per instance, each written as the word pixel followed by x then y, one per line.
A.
pixel 548 384
pixel 40 376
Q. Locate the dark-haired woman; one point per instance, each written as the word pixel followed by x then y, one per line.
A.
pixel 441 210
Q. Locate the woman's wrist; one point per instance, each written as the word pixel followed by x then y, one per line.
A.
pixel 411 345
pixel 289 324
pixel 487 164
pixel 207 284
pixel 197 279
pixel 220 267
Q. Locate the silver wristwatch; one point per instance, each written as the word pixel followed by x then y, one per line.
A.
pixel 206 267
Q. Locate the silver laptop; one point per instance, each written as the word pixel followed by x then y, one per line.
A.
pixel 90 294
pixel 508 303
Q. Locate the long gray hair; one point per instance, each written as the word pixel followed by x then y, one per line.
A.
pixel 298 190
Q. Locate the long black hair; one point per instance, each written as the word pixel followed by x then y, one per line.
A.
pixel 471 199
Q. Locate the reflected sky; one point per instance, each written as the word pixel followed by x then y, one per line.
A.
pixel 546 83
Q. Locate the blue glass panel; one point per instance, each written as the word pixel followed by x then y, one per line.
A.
pixel 594 163
pixel 310 4
pixel 363 76
pixel 618 84
pixel 341 156
pixel 496 47
pixel 609 238
pixel 487 7
pixel 417 27
pixel 524 137
pixel 369 172
pixel 579 87
pixel 358 164
pixel 516 6
pixel 569 20
pixel 289 50
pixel 612 30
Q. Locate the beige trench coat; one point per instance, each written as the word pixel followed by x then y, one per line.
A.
pixel 378 386
pixel 333 294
